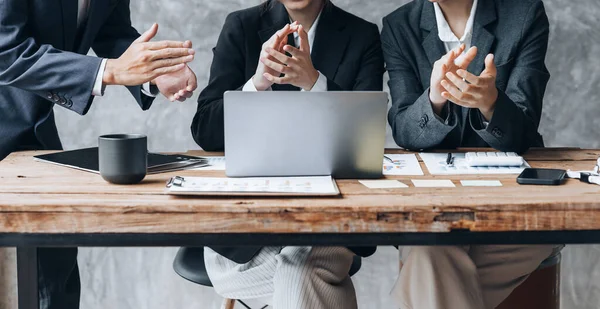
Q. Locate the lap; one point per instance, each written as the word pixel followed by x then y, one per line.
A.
pixel 256 278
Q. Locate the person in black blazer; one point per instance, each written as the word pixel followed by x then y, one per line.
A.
pixel 308 45
pixel 482 90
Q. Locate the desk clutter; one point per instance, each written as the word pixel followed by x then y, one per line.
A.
pixel 471 163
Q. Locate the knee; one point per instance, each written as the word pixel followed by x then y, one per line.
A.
pixel 325 264
pixel 440 258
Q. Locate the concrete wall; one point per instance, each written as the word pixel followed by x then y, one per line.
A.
pixel 142 278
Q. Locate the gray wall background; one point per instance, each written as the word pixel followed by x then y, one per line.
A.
pixel 142 278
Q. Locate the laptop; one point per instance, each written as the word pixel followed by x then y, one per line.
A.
pixel 281 133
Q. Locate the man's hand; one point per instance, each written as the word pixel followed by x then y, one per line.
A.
pixel 276 42
pixel 178 85
pixel 468 90
pixel 298 69
pixel 143 61
pixel 451 62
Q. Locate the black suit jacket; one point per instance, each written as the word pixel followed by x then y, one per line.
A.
pixel 347 50
pixel 43 63
pixel 515 31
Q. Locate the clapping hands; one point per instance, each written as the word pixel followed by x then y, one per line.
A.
pixel 450 81
pixel 298 69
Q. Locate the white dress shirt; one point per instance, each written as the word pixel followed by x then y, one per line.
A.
pixel 83 10
pixel 451 41
pixel 321 84
pixel 445 33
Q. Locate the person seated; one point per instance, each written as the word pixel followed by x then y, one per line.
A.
pixel 466 73
pixel 287 45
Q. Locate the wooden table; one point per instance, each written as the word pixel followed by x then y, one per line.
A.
pixel 45 205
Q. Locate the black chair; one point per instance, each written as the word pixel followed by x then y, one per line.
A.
pixel 189 264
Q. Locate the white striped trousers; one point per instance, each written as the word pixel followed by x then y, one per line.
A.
pixel 295 277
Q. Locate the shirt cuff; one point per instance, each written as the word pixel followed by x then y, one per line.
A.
pixel 150 90
pixel 99 87
pixel 320 85
pixel 446 114
pixel 249 86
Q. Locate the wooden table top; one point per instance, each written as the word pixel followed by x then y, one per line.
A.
pixel 43 198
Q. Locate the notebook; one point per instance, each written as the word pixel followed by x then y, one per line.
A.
pixel 87 160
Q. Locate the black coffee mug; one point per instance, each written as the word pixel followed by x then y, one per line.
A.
pixel 123 158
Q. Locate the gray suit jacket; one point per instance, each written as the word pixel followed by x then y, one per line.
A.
pixel 515 31
pixel 43 63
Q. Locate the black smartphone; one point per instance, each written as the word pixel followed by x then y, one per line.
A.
pixel 542 176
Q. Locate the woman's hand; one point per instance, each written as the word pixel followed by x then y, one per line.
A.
pixel 276 42
pixel 451 62
pixel 468 90
pixel 298 69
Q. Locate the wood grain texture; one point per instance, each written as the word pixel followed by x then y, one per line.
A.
pixel 42 198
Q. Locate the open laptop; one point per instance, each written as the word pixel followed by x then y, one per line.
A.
pixel 280 133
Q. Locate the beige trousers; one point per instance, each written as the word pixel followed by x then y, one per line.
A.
pixel 463 277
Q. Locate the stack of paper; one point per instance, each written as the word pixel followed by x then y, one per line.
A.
pixel 321 185
pixel 401 165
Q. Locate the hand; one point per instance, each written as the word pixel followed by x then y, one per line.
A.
pixel 474 91
pixel 451 62
pixel 277 41
pixel 178 85
pixel 143 61
pixel 298 69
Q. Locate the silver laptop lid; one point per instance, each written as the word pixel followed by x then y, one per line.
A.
pixel 280 133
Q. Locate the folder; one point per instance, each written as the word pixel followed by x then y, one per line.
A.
pixel 87 160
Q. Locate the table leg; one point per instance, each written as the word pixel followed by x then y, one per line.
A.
pixel 27 277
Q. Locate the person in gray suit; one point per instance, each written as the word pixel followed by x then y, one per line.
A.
pixel 466 73
pixel 43 63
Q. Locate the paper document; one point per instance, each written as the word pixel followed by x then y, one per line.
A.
pixel 214 164
pixel 401 164
pixel 302 185
pixel 433 183
pixel 481 183
pixel 383 184
pixel 436 164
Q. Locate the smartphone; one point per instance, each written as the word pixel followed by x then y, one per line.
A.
pixel 542 176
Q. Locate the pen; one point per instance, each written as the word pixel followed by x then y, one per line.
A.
pixel 392 161
pixel 449 159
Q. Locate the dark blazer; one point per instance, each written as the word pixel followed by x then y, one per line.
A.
pixel 515 31
pixel 44 63
pixel 347 50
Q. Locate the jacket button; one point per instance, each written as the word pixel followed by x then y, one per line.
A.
pixel 49 95
pixel 62 101
pixel 497 133
pixel 69 103
pixel 55 98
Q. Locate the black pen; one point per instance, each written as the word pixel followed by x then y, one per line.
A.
pixel 449 159
pixel 392 161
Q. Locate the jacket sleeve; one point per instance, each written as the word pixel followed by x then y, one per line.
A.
pixel 514 125
pixel 114 38
pixel 412 119
pixel 41 68
pixel 371 67
pixel 226 73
